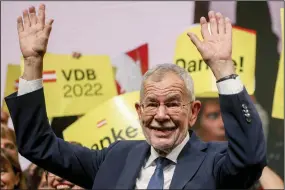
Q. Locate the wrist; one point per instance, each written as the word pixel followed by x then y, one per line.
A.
pixel 33 68
pixel 33 61
pixel 222 68
pixel 232 76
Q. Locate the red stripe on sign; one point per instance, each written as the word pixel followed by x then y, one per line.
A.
pixel 16 84
pixel 101 123
pixel 49 72
pixel 140 54
pixel 49 80
pixel 245 29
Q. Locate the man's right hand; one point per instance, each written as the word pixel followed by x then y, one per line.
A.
pixel 33 37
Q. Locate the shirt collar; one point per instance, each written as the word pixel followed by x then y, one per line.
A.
pixel 173 155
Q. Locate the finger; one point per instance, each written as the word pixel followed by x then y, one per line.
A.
pixel 48 27
pixel 27 22
pixel 213 23
pixel 221 23
pixel 50 22
pixel 33 16
pixel 195 40
pixel 228 27
pixel 204 28
pixel 41 15
pixel 20 26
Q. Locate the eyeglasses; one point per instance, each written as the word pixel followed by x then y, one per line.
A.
pixel 171 107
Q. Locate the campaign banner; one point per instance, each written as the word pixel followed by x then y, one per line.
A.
pixel 278 100
pixel 115 119
pixel 12 79
pixel 243 54
pixel 75 86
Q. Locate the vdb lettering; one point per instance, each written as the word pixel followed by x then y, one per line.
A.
pixel 79 90
pixel 129 132
pixel 79 74
pixel 199 65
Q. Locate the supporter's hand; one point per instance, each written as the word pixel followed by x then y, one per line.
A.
pixel 216 48
pixel 33 35
pixel 76 55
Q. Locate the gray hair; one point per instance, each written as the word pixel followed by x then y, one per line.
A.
pixel 161 69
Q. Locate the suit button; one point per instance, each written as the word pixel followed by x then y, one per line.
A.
pixel 247 115
pixel 244 106
pixel 245 111
pixel 248 119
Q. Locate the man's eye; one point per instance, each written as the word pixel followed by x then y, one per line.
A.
pixel 213 115
pixel 152 104
pixel 172 104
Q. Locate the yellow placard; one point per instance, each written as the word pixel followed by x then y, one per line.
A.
pixel 243 53
pixel 75 86
pixel 12 78
pixel 115 119
pixel 278 101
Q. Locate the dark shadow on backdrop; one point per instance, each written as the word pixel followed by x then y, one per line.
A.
pixel 267 61
pixel 59 124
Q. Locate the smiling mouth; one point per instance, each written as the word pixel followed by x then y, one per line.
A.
pixel 163 129
pixel 63 186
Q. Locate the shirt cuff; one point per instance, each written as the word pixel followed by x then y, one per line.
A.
pixel 230 86
pixel 26 87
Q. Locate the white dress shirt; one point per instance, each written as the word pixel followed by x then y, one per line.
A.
pixel 148 168
pixel 230 86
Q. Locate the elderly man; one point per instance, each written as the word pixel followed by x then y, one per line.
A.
pixel 171 157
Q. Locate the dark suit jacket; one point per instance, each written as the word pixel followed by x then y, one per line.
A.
pixel 236 164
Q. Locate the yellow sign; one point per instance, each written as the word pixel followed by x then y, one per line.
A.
pixel 115 119
pixel 75 86
pixel 12 79
pixel 278 101
pixel 243 53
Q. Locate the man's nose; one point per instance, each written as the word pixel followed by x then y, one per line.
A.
pixel 161 114
pixel 220 121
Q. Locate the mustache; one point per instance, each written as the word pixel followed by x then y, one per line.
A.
pixel 156 124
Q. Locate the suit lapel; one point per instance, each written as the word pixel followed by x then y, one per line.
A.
pixel 188 162
pixel 134 162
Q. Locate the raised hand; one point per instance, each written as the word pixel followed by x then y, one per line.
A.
pixel 33 37
pixel 33 32
pixel 216 48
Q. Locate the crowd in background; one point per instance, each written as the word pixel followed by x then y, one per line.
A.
pixel 34 177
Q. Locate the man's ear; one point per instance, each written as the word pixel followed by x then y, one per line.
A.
pixel 138 109
pixel 195 109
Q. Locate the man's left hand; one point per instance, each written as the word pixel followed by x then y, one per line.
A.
pixel 216 48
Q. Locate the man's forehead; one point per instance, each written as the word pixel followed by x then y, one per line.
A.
pixel 170 85
pixel 211 105
pixel 174 95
